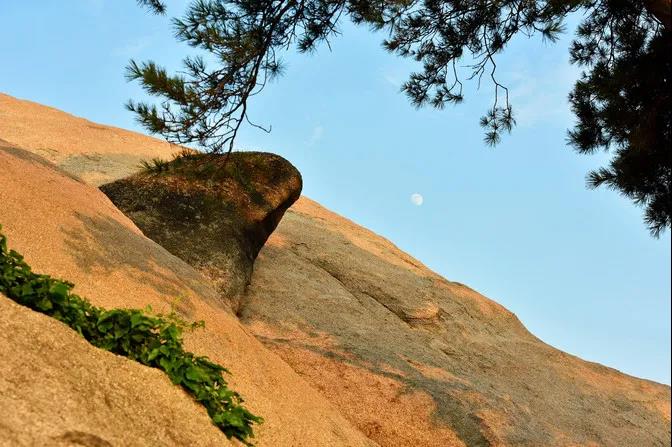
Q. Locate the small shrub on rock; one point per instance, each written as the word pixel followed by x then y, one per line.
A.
pixel 153 340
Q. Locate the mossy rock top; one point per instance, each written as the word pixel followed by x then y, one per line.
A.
pixel 253 182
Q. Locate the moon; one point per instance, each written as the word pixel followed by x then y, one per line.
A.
pixel 417 199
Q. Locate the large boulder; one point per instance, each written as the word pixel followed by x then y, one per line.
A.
pixel 213 211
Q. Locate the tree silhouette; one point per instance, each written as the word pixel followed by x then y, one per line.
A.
pixel 621 101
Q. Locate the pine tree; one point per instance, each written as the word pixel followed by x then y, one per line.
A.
pixel 622 100
pixel 156 6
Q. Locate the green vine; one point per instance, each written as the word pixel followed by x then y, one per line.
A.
pixel 153 340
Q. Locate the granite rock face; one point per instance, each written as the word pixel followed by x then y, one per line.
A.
pixel 413 359
pixel 364 345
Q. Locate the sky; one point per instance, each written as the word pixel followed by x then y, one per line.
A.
pixel 514 222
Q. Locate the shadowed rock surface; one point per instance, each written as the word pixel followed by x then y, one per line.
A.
pixel 213 213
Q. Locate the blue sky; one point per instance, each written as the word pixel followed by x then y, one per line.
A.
pixel 514 222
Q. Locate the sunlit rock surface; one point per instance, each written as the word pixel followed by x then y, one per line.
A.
pixel 406 356
pixel 414 359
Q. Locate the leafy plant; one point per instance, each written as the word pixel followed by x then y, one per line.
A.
pixel 153 340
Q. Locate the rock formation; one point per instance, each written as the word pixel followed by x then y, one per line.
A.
pixel 406 357
pixel 70 230
pixel 213 212
pixel 410 358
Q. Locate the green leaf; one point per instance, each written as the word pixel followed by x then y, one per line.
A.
pixel 26 289
pixel 44 304
pixel 137 318
pixel 196 374
pixel 153 354
pixel 59 290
